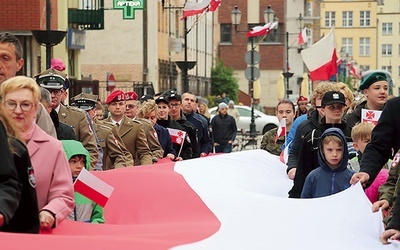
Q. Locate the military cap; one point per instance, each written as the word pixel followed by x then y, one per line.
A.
pixel 372 78
pixel 52 79
pixel 333 97
pixel 132 95
pixel 85 101
pixel 145 98
pixel 115 96
pixel 174 96
pixel 162 99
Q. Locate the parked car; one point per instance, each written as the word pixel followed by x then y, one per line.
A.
pixel 263 122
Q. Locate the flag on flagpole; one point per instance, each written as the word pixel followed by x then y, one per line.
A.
pixel 303 38
pixel 93 188
pixel 284 156
pixel 177 136
pixel 281 129
pixel 321 58
pixel 261 30
pixel 193 8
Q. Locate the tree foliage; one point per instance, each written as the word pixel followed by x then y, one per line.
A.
pixel 223 80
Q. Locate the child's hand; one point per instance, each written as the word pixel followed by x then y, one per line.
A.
pixel 359 177
pixel 291 173
pixel 46 220
pixel 384 204
pixel 391 234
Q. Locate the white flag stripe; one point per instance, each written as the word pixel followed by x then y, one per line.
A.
pixel 95 183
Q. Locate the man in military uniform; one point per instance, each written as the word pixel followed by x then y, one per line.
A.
pixel 56 82
pixel 113 155
pixel 131 131
pixel 132 106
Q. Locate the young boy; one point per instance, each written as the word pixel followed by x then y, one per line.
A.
pixel 85 210
pixel 361 135
pixel 332 176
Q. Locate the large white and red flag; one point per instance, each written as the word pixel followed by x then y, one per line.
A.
pixel 281 129
pixel 195 8
pixel 177 136
pixel 321 58
pixel 227 201
pixel 302 38
pixel 93 188
pixel 261 30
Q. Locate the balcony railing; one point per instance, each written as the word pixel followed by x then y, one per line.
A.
pixel 87 19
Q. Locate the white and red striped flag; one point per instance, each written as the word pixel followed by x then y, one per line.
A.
pixel 321 58
pixel 281 129
pixel 261 30
pixel 284 156
pixel 302 38
pixel 177 136
pixel 193 8
pixel 93 188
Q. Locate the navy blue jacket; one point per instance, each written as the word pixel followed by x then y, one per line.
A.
pixel 201 125
pixel 224 128
pixel 165 140
pixel 324 181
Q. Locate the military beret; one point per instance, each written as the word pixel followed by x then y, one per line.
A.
pixel 52 79
pixel 302 99
pixel 116 96
pixel 162 99
pixel 372 78
pixel 84 101
pixel 333 97
pixel 131 96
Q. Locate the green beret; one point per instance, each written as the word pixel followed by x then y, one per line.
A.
pixel 372 78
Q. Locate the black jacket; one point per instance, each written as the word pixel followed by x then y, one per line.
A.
pixel 385 140
pixel 224 129
pixel 26 218
pixel 308 155
pixel 10 184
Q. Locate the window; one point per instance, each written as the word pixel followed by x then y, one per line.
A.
pixel 364 46
pixel 347 17
pixel 347 46
pixel 365 18
pixel 226 35
pixel 309 9
pixel 386 49
pixel 387 68
pixel 329 18
pixel 386 28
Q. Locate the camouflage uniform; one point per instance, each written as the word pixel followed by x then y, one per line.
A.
pixel 268 142
pixel 388 190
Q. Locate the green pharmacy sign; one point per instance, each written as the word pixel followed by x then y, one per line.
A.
pixel 128 7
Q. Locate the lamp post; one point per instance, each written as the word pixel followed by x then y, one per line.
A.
pixel 252 58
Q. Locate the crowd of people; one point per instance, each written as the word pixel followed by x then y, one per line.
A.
pixel 46 144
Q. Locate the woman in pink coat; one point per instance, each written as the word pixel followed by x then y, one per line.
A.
pixel 20 97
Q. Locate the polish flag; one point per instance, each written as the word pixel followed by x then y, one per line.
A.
pixel 177 136
pixel 261 30
pixel 281 129
pixel 284 156
pixel 321 58
pixel 93 188
pixel 193 8
pixel 353 71
pixel 303 38
pixel 199 203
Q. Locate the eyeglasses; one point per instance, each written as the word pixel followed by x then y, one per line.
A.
pixel 56 92
pixel 131 106
pixel 24 106
pixel 174 105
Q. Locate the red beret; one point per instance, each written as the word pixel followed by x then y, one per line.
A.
pixel 131 96
pixel 302 99
pixel 116 96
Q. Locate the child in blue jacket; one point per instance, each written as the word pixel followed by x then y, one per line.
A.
pixel 332 175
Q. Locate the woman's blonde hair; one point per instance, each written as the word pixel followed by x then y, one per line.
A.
pixel 206 111
pixel 146 108
pixel 20 82
pixel 322 88
pixel 344 88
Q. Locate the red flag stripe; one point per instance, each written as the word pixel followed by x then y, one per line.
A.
pixel 90 193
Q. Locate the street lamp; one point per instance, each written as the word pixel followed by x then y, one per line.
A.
pixel 252 58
